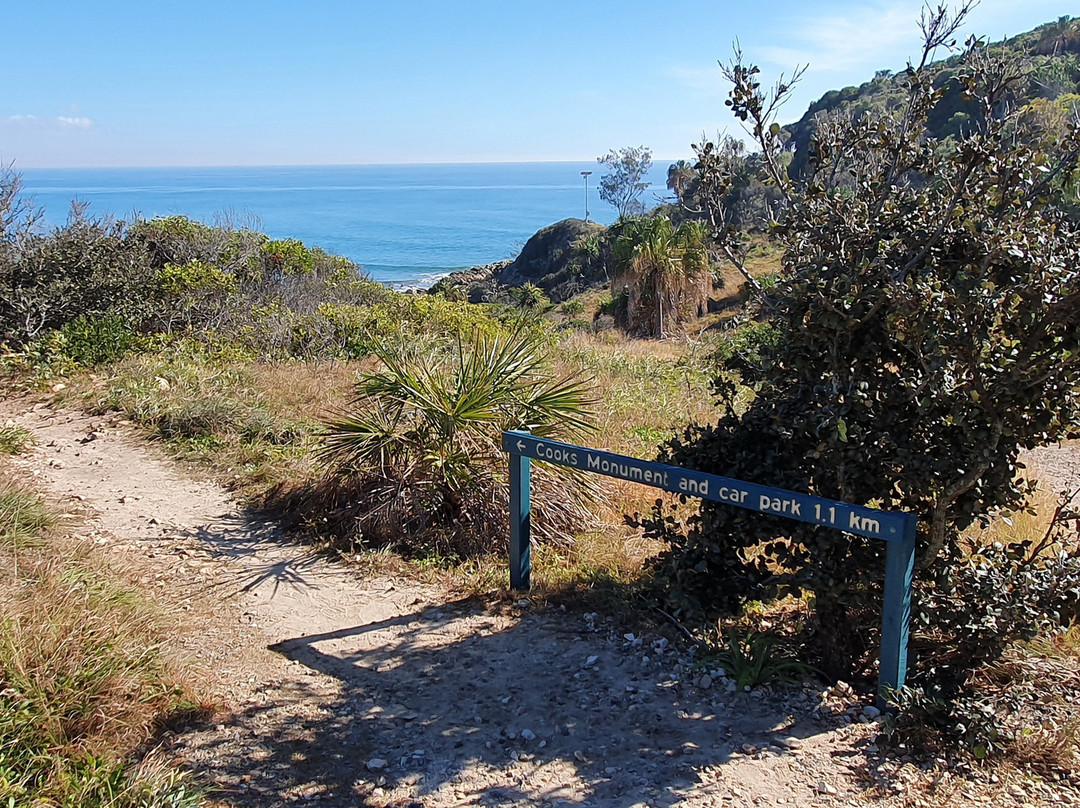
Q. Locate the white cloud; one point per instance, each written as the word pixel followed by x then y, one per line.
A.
pixel 839 42
pixel 39 124
pixel 75 123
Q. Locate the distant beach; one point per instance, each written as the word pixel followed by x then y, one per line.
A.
pixel 407 225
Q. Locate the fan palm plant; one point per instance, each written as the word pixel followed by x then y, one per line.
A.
pixel 421 445
pixel 681 176
pixel 664 269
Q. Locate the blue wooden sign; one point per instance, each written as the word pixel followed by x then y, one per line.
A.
pixel 887 525
pixel 894 527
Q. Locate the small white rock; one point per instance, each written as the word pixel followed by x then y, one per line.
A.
pixel 376 764
pixel 591 660
pixel 528 735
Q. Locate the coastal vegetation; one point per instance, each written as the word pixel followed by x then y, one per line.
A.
pixel 84 685
pixel 897 321
pixel 622 184
pixel 417 458
pixel 923 332
pixel 664 271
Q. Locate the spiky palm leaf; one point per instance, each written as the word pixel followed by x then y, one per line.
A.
pixel 429 424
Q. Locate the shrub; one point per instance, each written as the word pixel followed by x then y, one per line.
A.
pixel 530 297
pixel 288 257
pixel 572 308
pixel 991 595
pixel 419 454
pixel 194 277
pixel 89 341
pixel 926 331
pixel 84 269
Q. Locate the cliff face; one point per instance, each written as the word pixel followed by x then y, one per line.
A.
pixel 563 259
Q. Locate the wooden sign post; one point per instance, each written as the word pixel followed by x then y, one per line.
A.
pixel 895 528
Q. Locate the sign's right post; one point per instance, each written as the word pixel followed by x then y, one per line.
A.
pixel 896 611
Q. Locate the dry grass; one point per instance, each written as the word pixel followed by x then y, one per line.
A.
pixel 647 391
pixel 1030 525
pixel 84 684
pixel 254 426
pixel 307 390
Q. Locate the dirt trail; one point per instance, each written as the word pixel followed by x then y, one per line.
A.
pixel 344 690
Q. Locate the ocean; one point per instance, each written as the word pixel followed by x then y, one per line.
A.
pixel 407 225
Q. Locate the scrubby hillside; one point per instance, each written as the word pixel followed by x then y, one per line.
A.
pixel 1050 90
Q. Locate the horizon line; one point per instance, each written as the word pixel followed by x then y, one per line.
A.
pixel 12 166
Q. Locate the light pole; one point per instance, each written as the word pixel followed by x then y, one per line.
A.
pixel 585 176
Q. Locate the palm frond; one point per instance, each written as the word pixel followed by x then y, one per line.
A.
pixel 425 433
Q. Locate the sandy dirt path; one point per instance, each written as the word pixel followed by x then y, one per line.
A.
pixel 344 690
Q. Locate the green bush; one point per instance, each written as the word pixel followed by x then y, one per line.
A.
pixel 419 456
pixel 89 341
pixel 193 277
pixel 288 257
pixel 572 308
pixel 925 333
pixel 87 268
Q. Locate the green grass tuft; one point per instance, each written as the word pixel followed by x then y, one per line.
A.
pixel 13 439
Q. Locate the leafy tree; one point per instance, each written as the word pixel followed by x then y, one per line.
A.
pixel 623 183
pixel 729 195
pixel 665 271
pixel 923 331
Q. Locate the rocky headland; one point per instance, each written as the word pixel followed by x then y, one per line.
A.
pixel 563 259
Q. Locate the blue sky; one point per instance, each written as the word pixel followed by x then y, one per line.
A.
pixel 238 82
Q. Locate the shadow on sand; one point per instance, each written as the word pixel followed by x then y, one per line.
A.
pixel 534 707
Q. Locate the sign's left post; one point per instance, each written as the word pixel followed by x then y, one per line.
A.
pixel 520 521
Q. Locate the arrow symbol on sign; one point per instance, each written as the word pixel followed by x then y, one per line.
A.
pixel 521 445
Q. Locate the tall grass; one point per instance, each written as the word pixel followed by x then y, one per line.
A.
pixel 83 681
